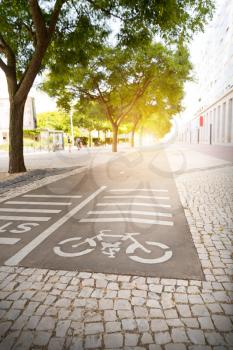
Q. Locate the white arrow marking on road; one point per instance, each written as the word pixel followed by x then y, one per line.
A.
pixel 18 257
pixel 16 210
pixel 49 196
pixel 36 203
pixel 134 220
pixel 136 203
pixel 25 218
pixel 6 240
pixel 130 212
pixel 144 197
pixel 137 189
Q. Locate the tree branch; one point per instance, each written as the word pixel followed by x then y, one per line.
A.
pixel 38 20
pixel 104 102
pixel 54 17
pixel 135 98
pixel 7 50
pixel 43 39
pixel 3 66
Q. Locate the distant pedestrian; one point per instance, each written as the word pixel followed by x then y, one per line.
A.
pixel 79 143
pixel 69 143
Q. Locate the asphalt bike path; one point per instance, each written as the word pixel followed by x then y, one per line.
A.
pixel 123 216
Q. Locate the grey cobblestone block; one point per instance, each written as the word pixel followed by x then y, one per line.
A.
pixel 214 338
pixel 112 327
pixel 162 338
pixel 129 324
pixel 222 323
pixel 93 342
pixel 106 304
pixel 46 323
pixel 175 347
pixel 109 315
pixel 143 325
pixel 94 328
pixel 147 338
pixel 159 325
pixel 114 340
pixel 179 335
pixel 41 338
pixel 56 343
pixel 131 339
pixel 122 304
pixel 205 323
pixel 62 328
pixel 196 336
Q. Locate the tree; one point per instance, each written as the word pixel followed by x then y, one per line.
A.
pixel 121 80
pixel 28 27
pixel 57 120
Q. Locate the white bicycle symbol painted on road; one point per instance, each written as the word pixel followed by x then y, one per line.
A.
pixel 112 248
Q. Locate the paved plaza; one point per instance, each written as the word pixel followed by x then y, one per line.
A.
pixel 48 308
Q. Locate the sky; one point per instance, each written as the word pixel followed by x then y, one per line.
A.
pixel 44 103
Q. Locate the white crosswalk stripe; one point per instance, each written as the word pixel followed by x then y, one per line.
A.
pixel 144 197
pixel 50 196
pixel 24 218
pixel 138 189
pixel 133 220
pixel 133 216
pixel 139 212
pixel 158 205
pixel 22 210
pixel 37 203
pixel 10 241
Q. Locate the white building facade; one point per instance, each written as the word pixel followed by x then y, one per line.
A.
pixel 213 121
pixel 29 117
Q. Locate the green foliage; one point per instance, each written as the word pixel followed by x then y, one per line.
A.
pixel 57 120
pixel 124 85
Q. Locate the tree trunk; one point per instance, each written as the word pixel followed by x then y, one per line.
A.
pixel 89 139
pixel 141 136
pixel 16 159
pixel 114 137
pixel 132 137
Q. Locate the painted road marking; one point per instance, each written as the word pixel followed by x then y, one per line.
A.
pixel 137 189
pixel 18 257
pixel 49 196
pixel 130 212
pixel 25 218
pixel 6 240
pixel 144 197
pixel 132 220
pixel 36 203
pixel 136 203
pixel 16 210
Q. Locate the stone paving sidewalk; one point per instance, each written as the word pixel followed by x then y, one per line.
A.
pixel 46 309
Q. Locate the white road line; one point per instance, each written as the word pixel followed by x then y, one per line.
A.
pixel 42 211
pixel 49 196
pixel 6 240
pixel 144 197
pixel 136 203
pixel 152 213
pixel 18 257
pixel 137 189
pixel 25 218
pixel 134 220
pixel 37 203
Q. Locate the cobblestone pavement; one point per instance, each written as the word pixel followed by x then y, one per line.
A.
pixel 46 309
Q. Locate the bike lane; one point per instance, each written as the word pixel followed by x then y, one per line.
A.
pixel 129 221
